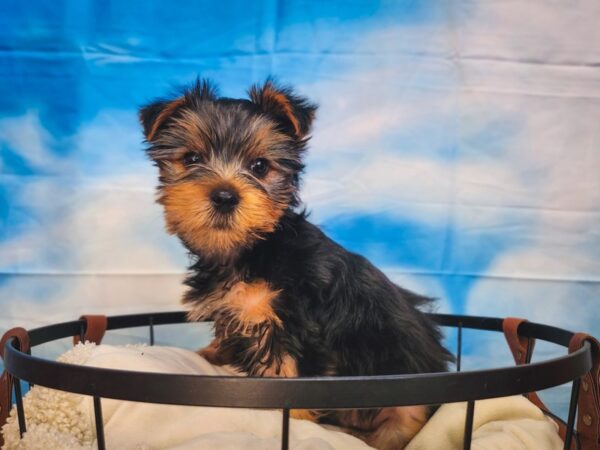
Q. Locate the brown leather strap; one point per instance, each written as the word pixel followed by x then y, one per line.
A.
pixel 22 338
pixel 588 416
pixel 520 347
pixel 6 380
pixel 95 327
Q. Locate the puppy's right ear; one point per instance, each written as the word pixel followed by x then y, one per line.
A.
pixel 154 116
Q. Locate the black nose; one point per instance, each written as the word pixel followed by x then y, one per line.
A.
pixel 224 200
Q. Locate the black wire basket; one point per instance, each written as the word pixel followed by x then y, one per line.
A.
pixel 581 365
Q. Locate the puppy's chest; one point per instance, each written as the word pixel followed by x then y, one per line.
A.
pixel 241 308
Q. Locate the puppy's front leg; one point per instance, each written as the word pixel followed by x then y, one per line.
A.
pixel 287 368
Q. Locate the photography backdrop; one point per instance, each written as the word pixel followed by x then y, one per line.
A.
pixel 456 146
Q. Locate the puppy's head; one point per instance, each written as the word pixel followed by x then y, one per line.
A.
pixel 229 168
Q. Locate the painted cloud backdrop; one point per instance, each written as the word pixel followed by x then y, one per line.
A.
pixel 457 146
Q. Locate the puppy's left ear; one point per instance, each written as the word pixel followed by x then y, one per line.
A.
pixel 293 113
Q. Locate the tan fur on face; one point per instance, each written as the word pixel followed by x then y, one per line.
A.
pixel 194 129
pixel 189 214
pixel 223 162
pixel 265 139
pixel 190 131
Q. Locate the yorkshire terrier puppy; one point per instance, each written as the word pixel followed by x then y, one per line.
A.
pixel 286 300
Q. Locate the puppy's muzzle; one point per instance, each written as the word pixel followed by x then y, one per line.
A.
pixel 224 200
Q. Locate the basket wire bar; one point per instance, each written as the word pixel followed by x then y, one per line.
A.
pixel 471 403
pixel 458 346
pixel 82 331
pixel 300 393
pixel 20 409
pixel 285 430
pixel 469 424
pixel 529 354
pixel 151 329
pixel 572 411
pixel 99 423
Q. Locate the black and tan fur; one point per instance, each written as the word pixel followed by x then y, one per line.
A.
pixel 285 299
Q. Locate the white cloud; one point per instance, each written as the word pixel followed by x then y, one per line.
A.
pixel 27 134
pixel 542 284
pixel 103 223
pixel 450 82
pixel 411 133
pixel 422 284
pixel 32 300
pixel 93 242
pixel 493 128
pixel 536 31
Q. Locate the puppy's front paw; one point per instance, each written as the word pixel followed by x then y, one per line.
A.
pixel 213 355
pixel 395 427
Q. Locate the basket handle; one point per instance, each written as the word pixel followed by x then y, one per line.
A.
pixel 588 416
pixel 521 347
pixel 6 380
pixel 95 327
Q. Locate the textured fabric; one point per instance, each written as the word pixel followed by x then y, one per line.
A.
pixel 456 146
pixel 511 423
pixel 60 420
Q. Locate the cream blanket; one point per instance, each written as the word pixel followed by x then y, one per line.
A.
pixel 60 420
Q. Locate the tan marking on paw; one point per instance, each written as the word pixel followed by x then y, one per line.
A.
pixel 395 427
pixel 304 414
pixel 286 368
pixel 212 353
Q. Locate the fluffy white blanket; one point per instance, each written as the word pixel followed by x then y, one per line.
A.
pixel 60 420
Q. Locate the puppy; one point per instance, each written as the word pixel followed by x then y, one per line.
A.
pixel 285 299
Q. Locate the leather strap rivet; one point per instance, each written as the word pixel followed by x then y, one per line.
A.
pixel 585 385
pixel 587 419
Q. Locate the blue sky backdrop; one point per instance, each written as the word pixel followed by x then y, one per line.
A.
pixel 456 146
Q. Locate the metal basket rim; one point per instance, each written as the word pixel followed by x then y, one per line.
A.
pixel 300 393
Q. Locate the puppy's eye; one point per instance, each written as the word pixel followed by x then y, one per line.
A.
pixel 259 167
pixel 191 158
